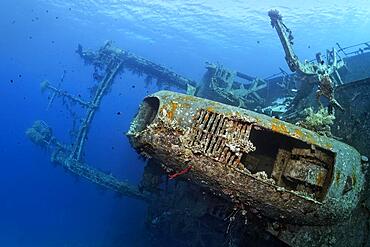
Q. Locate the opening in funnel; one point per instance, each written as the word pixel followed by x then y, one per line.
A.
pixel 147 113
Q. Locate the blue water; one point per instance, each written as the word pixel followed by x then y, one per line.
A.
pixel 41 205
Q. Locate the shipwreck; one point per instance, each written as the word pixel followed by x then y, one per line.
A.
pixel 241 166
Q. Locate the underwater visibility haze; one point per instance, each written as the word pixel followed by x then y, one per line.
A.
pixel 256 132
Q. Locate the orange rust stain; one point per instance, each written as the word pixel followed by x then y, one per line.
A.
pixel 337 178
pixel 320 178
pixel 280 128
pixel 284 129
pixel 189 98
pixel 172 110
pixel 274 128
pixel 298 133
pixel 210 108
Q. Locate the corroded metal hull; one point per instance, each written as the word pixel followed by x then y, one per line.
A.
pixel 284 172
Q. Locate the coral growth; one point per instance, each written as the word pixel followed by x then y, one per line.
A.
pixel 319 121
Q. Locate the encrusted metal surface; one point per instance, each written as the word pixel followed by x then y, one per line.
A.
pixel 223 144
pixel 221 138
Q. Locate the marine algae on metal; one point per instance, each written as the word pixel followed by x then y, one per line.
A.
pixel 224 146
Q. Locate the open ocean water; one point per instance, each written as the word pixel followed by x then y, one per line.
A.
pixel 42 205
